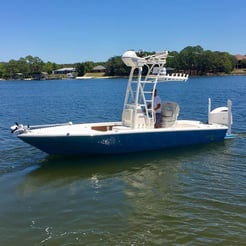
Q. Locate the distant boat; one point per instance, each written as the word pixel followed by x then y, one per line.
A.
pixel 83 77
pixel 70 76
pixel 136 131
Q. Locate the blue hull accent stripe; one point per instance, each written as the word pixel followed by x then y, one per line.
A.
pixel 122 143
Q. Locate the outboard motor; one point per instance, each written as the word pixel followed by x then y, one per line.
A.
pixel 221 115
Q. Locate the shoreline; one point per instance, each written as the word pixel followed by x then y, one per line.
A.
pixel 241 72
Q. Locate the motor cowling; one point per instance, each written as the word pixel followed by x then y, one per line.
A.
pixel 220 116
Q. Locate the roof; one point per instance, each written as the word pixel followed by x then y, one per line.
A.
pixel 99 67
pixel 240 57
pixel 66 69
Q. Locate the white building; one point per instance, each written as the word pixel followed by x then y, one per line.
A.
pixel 64 70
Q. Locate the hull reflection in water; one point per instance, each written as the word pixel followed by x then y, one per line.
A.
pixel 151 198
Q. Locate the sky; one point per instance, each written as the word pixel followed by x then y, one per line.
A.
pixel 63 31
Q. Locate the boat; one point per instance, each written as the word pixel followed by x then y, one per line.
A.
pixel 136 131
pixel 83 77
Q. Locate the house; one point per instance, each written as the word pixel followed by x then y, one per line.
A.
pixel 99 69
pixel 240 58
pixel 64 70
pixel 40 76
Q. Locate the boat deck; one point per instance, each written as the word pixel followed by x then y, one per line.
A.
pixel 108 128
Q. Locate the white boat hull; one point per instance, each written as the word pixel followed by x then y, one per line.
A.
pixel 114 138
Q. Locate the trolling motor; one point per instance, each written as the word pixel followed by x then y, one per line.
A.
pixel 18 128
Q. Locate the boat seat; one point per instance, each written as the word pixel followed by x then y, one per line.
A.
pixel 170 113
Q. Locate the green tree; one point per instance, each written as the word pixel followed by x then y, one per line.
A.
pixel 35 64
pixel 189 59
pixel 88 66
pixel 80 68
pixel 223 63
pixel 2 70
pixel 49 67
pixel 23 67
pixel 116 67
pixel 173 60
pixel 12 69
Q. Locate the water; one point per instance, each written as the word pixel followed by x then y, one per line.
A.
pixel 187 196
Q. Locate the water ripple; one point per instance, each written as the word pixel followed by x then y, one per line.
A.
pixel 188 196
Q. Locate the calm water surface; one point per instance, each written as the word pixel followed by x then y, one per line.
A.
pixel 187 196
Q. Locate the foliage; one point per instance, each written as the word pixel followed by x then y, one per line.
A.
pixel 48 67
pixel 193 60
pixel 85 67
pixel 22 68
pixel 196 61
pixel 116 67
pixel 80 68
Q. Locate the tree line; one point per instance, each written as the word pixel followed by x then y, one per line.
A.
pixel 193 60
